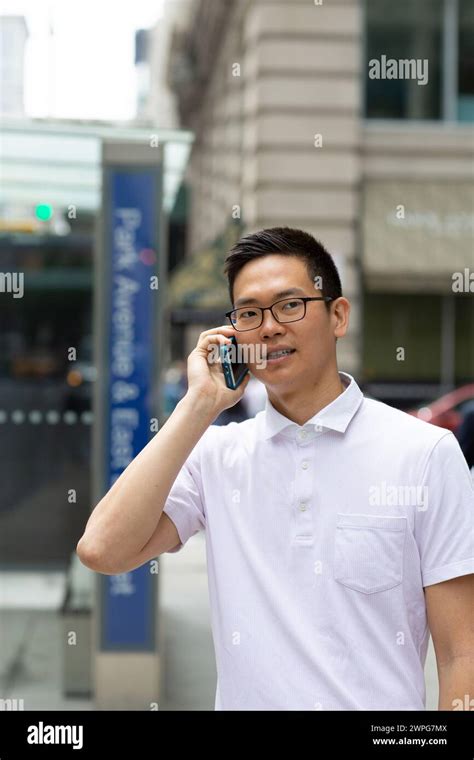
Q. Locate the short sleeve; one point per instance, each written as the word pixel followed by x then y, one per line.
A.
pixel 444 528
pixel 185 503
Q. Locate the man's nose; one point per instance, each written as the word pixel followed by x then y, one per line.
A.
pixel 270 326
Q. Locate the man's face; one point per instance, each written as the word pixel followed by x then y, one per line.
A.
pixel 311 338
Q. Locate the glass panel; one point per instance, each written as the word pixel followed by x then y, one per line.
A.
pixel 466 61
pixel 404 55
pixel 45 409
pixel 464 337
pixel 409 321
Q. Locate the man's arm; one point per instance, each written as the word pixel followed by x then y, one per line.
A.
pixel 450 610
pixel 124 520
pixel 127 520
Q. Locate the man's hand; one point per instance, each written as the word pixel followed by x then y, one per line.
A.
pixel 206 381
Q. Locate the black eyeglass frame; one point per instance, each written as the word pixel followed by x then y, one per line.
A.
pixel 305 300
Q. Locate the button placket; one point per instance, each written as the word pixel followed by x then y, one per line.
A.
pixel 302 494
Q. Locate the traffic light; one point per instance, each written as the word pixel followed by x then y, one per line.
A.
pixel 44 212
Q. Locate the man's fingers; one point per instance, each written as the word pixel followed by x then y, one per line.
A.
pixel 213 338
pixel 209 346
pixel 223 329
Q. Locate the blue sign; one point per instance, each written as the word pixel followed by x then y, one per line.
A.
pixel 131 216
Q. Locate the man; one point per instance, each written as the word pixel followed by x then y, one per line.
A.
pixel 339 531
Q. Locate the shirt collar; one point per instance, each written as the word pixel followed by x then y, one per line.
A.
pixel 334 416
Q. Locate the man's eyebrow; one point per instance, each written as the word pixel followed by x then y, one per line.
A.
pixel 281 294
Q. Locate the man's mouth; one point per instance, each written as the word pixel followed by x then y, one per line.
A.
pixel 274 356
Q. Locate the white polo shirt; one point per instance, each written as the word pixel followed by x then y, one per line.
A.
pixel 319 541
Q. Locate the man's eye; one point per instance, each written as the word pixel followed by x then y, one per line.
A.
pixel 292 304
pixel 247 314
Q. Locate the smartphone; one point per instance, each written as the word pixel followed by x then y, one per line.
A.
pixel 234 371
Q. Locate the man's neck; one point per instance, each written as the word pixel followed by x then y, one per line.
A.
pixel 300 404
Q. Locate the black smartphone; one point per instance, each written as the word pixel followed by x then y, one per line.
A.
pixel 234 371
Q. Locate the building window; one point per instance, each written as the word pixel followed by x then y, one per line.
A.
pixel 419 60
pixel 465 89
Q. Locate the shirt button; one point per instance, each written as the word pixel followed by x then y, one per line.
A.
pixel 302 507
pixel 305 464
pixel 303 433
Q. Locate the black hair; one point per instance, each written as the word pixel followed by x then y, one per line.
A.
pixel 289 242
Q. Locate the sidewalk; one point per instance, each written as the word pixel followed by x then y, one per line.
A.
pixel 189 677
pixel 31 630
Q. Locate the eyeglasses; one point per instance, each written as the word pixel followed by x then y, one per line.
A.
pixel 287 310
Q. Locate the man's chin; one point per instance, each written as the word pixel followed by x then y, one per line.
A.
pixel 273 379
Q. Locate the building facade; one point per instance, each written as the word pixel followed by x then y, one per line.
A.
pixel 290 129
pixel 13 39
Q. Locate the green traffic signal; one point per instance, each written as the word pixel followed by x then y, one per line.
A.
pixel 44 212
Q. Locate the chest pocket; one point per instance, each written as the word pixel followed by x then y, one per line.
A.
pixel 368 552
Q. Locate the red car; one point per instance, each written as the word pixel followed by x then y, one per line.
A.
pixel 447 411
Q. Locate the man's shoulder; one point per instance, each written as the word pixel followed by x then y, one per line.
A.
pixel 401 423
